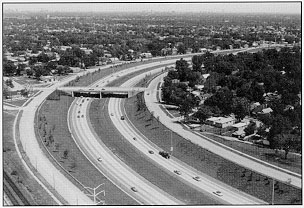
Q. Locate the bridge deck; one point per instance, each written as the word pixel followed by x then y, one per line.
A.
pixel 102 89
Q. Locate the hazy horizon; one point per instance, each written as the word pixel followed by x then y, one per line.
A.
pixel 195 7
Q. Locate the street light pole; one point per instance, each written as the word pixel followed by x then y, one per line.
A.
pixel 272 197
pixel 96 194
pixel 171 143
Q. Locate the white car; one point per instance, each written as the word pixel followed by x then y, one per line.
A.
pixel 218 193
pixel 99 159
pixel 197 178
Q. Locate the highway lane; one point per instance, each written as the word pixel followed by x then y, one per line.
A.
pixel 216 147
pixel 112 167
pixel 207 186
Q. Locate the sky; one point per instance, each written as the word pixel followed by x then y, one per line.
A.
pixel 195 6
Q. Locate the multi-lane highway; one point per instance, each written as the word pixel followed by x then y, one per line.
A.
pixel 173 166
pixel 104 160
pixel 37 157
pixel 215 147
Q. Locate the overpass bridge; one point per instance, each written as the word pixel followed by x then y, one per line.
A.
pixel 102 92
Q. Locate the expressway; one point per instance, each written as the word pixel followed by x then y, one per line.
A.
pixel 229 198
pixel 106 162
pixel 36 156
pixel 186 173
pixel 216 147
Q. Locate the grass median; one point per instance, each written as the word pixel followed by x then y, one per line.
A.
pixel 126 152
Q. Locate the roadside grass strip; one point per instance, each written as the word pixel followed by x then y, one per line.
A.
pixel 19 168
pixel 52 122
pixel 207 162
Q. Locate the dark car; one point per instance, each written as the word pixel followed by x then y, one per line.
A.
pixel 122 118
pixel 134 189
pixel 164 154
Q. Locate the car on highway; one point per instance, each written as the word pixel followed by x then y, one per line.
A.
pixel 99 159
pixel 218 193
pixel 91 89
pixel 134 189
pixel 82 116
pixel 112 114
pixel 122 118
pixel 134 138
pixel 164 154
pixel 197 178
pixel 151 152
pixel 96 85
pixel 78 111
pixel 177 172
pixel 78 116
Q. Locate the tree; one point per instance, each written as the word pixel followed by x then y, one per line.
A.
pixel 20 68
pixel 186 105
pixel 29 72
pixel 42 57
pixel 194 78
pixel 9 68
pixel 240 107
pixel 181 49
pixel 9 83
pixel 197 62
pixel 183 70
pixel 222 99
pixel 286 142
pixel 203 113
pixel 257 91
pixel 250 128
pixel 24 92
pixel 39 71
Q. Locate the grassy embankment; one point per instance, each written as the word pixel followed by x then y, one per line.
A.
pixel 12 164
pixel 209 163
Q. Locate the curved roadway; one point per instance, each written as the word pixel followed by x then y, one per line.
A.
pixel 216 147
pixel 206 185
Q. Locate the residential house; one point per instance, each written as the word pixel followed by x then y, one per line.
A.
pixel 146 55
pixel 266 111
pixel 211 120
pixel 224 122
pixel 239 126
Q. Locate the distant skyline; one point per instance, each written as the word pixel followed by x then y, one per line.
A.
pixel 196 6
